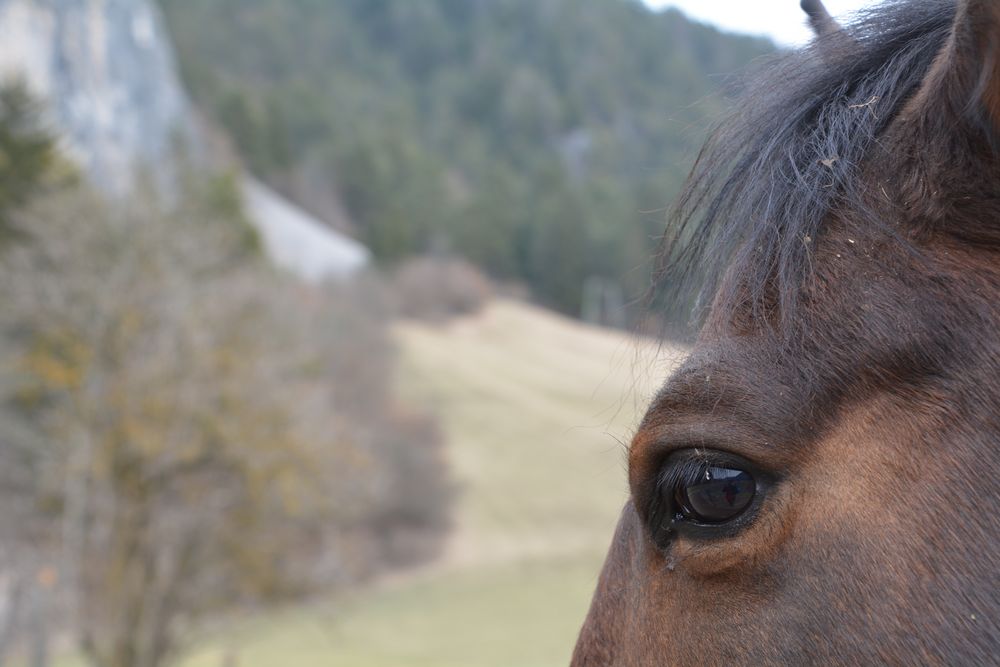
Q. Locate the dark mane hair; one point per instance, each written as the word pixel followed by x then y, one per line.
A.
pixel 791 152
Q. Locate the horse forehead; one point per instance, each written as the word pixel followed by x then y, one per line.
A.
pixel 742 389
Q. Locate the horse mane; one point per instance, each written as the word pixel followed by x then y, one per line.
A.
pixel 790 153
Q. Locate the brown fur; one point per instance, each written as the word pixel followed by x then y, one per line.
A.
pixel 877 408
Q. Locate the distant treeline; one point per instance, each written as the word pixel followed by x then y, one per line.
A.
pixel 540 139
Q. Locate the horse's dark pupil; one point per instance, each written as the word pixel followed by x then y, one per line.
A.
pixel 720 494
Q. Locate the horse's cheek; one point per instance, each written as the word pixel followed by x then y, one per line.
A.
pixel 635 618
pixel 609 635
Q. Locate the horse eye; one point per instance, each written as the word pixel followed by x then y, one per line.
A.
pixel 714 494
pixel 706 494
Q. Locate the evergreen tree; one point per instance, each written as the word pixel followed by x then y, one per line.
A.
pixel 27 151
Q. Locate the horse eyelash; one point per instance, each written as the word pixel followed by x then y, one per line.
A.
pixel 676 471
pixel 684 469
pixel 682 472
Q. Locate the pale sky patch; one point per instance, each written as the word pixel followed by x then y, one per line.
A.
pixel 781 20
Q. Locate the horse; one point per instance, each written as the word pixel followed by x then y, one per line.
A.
pixel 817 483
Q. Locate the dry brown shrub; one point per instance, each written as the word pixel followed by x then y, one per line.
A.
pixel 436 289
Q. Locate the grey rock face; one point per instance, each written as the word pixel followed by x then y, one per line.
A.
pixel 106 69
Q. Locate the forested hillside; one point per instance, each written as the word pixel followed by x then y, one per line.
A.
pixel 540 139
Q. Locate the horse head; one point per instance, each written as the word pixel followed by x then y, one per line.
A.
pixel 818 482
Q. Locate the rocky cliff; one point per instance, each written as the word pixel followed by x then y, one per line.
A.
pixel 106 70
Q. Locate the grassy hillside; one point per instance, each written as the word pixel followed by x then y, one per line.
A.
pixel 534 408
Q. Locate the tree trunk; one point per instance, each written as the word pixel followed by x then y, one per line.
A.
pixel 39 628
pixel 14 600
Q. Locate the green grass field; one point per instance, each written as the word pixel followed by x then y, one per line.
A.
pixel 517 614
pixel 535 408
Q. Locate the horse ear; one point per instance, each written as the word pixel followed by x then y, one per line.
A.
pixel 819 19
pixel 966 73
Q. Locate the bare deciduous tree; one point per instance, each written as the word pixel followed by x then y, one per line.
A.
pixel 185 430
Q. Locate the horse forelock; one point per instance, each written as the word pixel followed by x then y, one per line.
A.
pixel 854 233
pixel 799 148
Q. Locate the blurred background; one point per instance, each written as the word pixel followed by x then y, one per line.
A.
pixel 322 322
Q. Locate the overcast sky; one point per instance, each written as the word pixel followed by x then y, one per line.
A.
pixel 782 20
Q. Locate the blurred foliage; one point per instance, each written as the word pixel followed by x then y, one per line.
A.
pixel 540 139
pixel 27 151
pixel 184 429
